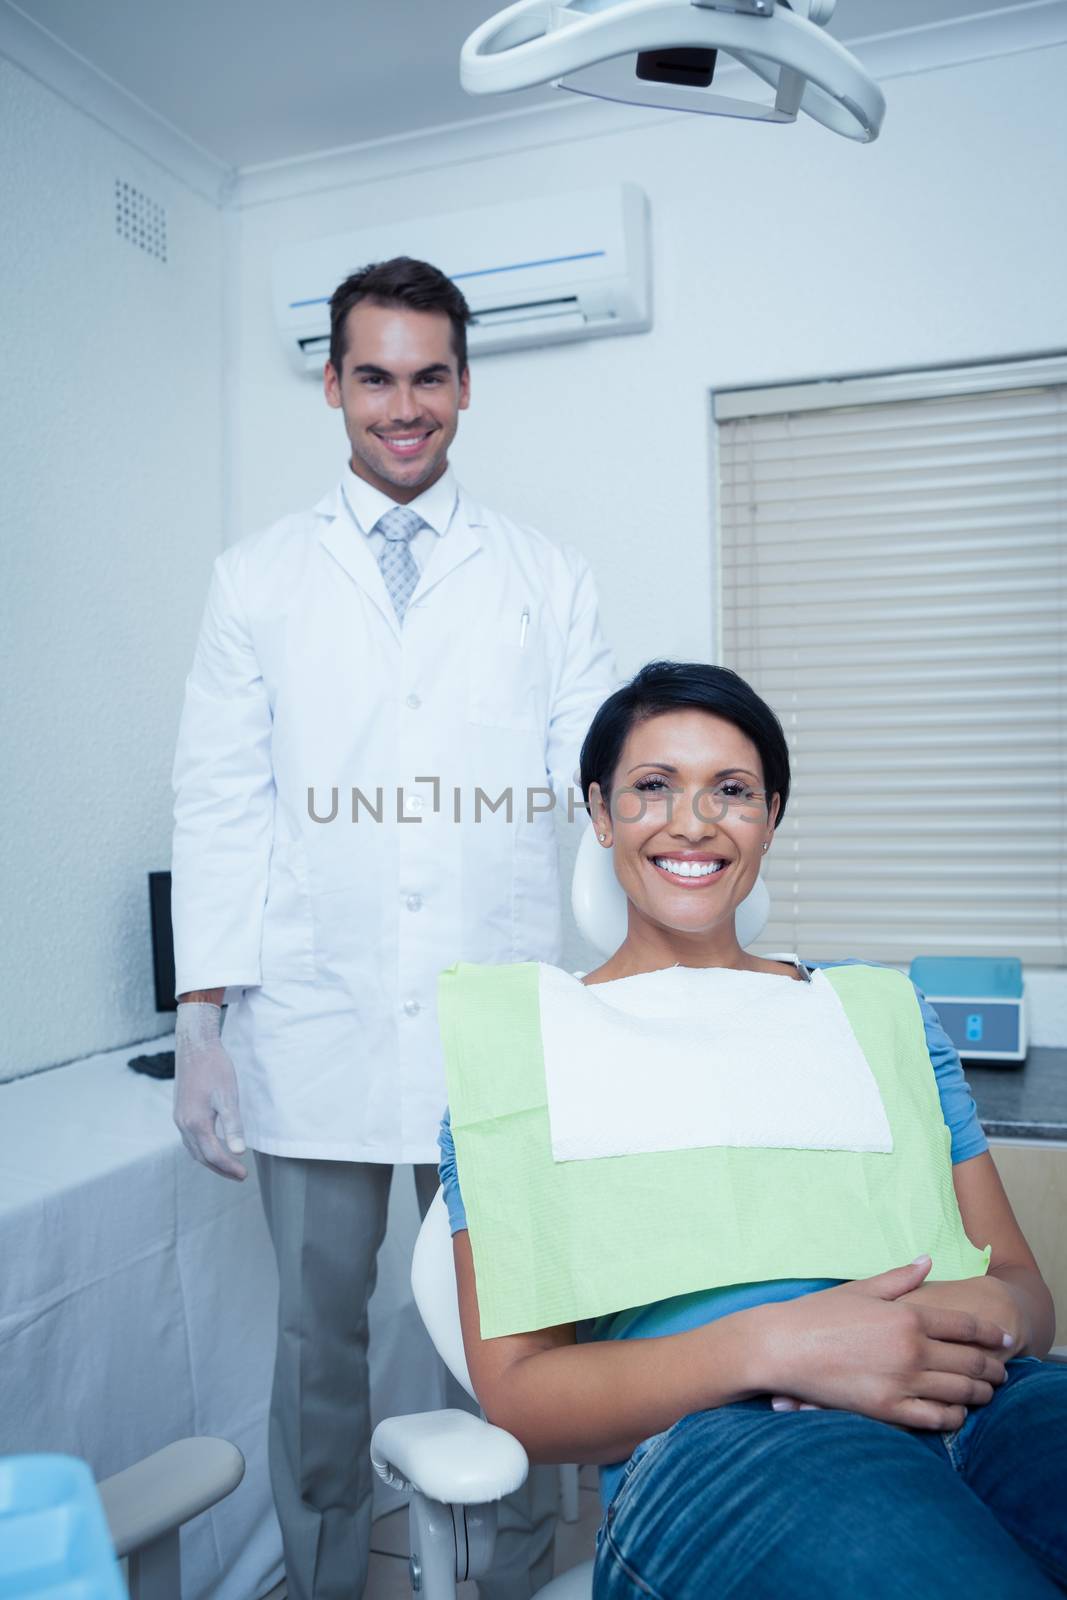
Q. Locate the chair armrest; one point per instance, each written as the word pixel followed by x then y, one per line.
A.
pixel 448 1456
pixel 158 1494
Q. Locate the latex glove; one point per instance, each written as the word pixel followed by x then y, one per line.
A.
pixel 205 1090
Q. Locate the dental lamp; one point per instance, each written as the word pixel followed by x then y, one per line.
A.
pixel 666 53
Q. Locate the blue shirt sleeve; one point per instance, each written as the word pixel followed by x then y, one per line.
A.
pixel 957 1106
pixel 446 1171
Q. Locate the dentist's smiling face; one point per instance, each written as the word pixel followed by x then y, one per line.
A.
pixel 688 822
pixel 401 392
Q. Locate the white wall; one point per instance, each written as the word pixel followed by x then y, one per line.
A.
pixel 111 511
pixel 778 254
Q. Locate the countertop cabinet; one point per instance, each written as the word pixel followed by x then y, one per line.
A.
pixel 1024 1113
pixel 1034 1173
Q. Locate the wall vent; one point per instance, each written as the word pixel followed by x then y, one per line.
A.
pixel 140 219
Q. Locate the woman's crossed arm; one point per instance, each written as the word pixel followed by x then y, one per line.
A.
pixel 857 1347
pixel 1013 1291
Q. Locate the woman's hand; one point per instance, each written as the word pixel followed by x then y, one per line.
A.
pixel 863 1347
pixel 988 1297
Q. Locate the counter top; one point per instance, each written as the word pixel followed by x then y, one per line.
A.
pixel 1027 1102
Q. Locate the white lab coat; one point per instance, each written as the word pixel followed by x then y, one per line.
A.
pixel 329 935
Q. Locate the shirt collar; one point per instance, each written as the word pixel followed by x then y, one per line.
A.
pixel 435 506
pixel 804 968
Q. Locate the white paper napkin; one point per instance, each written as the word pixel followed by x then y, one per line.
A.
pixel 689 1057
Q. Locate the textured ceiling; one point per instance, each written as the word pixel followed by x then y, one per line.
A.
pixel 254 81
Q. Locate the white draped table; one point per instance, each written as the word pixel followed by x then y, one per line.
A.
pixel 138 1297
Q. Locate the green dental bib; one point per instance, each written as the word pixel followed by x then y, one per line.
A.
pixel 559 1241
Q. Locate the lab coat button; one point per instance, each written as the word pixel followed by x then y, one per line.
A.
pixel 412 1008
pixel 413 701
pixel 414 902
pixel 413 802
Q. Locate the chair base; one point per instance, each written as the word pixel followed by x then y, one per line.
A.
pixel 577 1584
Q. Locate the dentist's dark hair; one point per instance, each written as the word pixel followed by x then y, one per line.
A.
pixel 402 281
pixel 684 686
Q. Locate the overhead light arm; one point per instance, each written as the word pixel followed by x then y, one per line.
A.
pixel 589 46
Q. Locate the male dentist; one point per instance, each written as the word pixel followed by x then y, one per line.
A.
pixel 385 693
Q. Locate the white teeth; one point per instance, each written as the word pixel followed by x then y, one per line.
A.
pixel 689 869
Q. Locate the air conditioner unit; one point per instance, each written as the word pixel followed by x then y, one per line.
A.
pixel 534 272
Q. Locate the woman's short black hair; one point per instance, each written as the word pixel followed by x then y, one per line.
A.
pixel 684 686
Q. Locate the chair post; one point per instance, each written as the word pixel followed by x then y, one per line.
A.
pixel 154 1572
pixel 449 1543
pixel 433 1549
pixel 476 1536
pixel 568 1492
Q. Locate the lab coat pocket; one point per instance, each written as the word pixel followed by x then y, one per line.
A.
pixel 351 909
pixel 286 949
pixel 504 685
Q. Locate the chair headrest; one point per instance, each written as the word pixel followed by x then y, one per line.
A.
pixel 599 903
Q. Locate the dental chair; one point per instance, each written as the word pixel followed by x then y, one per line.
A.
pixel 457 1466
pixel 61 1536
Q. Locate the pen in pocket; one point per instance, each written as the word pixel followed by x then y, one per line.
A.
pixel 524 623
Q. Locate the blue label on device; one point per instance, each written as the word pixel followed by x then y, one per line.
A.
pixel 974 1027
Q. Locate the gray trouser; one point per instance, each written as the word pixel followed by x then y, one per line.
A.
pixel 327 1220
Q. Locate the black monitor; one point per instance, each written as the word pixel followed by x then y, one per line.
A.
pixel 162 940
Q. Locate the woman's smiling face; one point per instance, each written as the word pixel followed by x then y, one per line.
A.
pixel 689 820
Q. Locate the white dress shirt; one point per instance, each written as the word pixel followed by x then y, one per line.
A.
pixel 436 506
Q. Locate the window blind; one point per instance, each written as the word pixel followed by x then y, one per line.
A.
pixel 894 583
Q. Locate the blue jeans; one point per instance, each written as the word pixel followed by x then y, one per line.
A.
pixel 748 1502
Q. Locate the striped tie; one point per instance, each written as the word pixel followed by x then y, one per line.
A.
pixel 396 560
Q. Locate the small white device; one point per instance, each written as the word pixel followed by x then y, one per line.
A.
pixel 979 1001
pixel 667 53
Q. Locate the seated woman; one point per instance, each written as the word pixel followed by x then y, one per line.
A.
pixel 721 1178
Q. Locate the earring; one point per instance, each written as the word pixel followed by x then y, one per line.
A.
pixel 603 836
pixel 766 847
